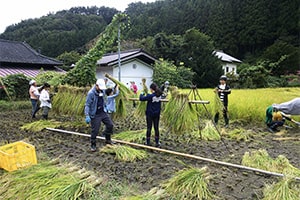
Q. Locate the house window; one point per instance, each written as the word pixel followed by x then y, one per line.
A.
pixel 134 66
pixel 227 69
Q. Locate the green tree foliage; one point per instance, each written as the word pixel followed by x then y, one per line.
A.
pixel 68 58
pixel 84 72
pixel 16 85
pixel 179 76
pixel 197 53
pixel 51 77
pixel 63 31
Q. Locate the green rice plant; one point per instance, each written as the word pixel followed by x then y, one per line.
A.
pixel 45 181
pixel 38 126
pixel 261 159
pixel 252 110
pixel 124 93
pixel 179 115
pixel 124 153
pixel 137 136
pixel 141 108
pixel 286 189
pixel 190 183
pixel 241 134
pixel 209 132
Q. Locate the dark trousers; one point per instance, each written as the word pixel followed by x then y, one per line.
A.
pixel 45 112
pixel 155 121
pixel 35 107
pixel 226 119
pixel 275 124
pixel 96 124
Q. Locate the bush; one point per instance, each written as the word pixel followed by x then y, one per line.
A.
pixel 14 87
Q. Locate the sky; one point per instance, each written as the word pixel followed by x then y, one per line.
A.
pixel 14 11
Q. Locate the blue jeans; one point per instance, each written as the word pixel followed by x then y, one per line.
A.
pixel 35 107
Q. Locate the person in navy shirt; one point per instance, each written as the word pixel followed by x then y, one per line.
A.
pixel 152 112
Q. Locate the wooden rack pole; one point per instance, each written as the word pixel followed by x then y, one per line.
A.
pixel 179 154
pixel 166 100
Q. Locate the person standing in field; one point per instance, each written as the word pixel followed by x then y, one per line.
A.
pixel 152 112
pixel 45 100
pixel 134 89
pixel 95 114
pixel 223 90
pixel 34 97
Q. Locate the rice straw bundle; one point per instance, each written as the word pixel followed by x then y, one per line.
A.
pixel 69 100
pixel 141 108
pixel 137 136
pixel 125 153
pixel 179 115
pixel 210 132
pixel 190 183
pixel 286 189
pixel 261 159
pixel 124 93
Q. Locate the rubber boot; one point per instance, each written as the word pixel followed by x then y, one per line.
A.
pixel 157 143
pixel 93 145
pixel 108 139
pixel 148 141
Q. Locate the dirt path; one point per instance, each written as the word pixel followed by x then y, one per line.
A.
pixel 227 183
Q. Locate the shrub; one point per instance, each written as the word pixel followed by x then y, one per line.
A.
pixel 14 87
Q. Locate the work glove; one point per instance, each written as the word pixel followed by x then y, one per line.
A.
pixel 87 119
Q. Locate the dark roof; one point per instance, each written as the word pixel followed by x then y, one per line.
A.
pixel 111 59
pixel 21 52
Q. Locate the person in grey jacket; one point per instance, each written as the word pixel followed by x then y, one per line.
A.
pixel 95 114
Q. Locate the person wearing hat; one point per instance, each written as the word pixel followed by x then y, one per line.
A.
pixel 34 97
pixel 223 90
pixel 95 113
pixel 45 100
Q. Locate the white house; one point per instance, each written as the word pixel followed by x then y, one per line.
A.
pixel 135 65
pixel 229 63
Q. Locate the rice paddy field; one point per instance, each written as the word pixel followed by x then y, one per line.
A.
pixel 67 169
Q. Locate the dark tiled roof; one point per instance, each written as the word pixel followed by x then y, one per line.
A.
pixel 20 52
pixel 112 58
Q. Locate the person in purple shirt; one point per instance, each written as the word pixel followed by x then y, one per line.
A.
pixel 152 112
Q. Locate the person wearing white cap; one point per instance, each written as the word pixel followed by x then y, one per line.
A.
pixel 95 113
pixel 34 97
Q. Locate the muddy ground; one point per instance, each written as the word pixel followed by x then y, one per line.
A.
pixel 226 182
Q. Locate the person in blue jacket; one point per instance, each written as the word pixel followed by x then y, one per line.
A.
pixel 95 114
pixel 111 95
pixel 152 112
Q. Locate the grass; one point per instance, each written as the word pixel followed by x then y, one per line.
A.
pixel 240 134
pixel 14 105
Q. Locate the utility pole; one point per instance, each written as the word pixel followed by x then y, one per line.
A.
pixel 119 48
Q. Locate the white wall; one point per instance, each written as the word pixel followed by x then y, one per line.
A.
pixel 229 67
pixel 129 72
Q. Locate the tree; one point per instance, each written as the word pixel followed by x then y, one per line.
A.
pixel 166 71
pixel 197 53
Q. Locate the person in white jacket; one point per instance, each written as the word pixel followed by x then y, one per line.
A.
pixel 45 100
